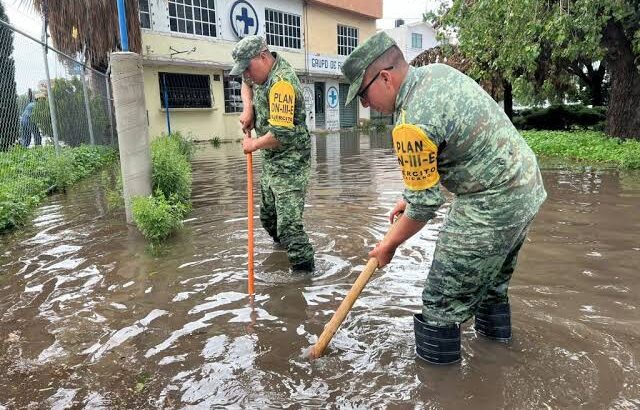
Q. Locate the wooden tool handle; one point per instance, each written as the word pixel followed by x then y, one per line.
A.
pixel 338 317
pixel 336 320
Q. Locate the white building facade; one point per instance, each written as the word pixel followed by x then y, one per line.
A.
pixel 413 38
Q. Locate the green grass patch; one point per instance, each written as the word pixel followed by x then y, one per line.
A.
pixel 27 175
pixel 590 146
pixel 160 214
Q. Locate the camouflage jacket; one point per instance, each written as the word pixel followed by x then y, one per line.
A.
pixel 294 154
pixel 481 157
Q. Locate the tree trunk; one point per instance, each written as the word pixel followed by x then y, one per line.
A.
pixel 593 80
pixel 623 115
pixel 508 99
pixel 597 99
pixel 597 95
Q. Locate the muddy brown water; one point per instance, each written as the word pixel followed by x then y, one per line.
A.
pixel 90 319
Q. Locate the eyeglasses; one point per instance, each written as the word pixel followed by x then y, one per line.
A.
pixel 363 92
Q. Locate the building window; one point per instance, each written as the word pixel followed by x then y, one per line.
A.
pixel 416 40
pixel 232 97
pixel 283 29
pixel 347 39
pixel 193 17
pixel 185 90
pixel 145 14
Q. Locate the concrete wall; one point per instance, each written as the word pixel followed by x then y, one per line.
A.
pixel 211 56
pixel 368 8
pixel 156 47
pixel 200 123
pixel 322 30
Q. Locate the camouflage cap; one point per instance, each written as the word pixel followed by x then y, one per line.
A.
pixel 361 58
pixel 244 51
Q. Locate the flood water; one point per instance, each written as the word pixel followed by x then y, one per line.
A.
pixel 90 319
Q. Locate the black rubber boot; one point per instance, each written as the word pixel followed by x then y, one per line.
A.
pixel 435 344
pixel 304 266
pixel 494 321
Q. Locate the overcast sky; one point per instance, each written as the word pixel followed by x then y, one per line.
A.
pixel 408 10
pixel 23 18
pixel 27 54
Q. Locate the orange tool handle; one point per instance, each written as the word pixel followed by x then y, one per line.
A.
pixel 250 220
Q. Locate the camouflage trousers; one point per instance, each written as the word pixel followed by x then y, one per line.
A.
pixel 281 210
pixel 472 266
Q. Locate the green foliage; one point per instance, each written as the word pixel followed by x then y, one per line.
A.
pixel 141 381
pixel 185 145
pixel 560 117
pixel 215 141
pixel 156 216
pixel 15 206
pixel 26 175
pixel 375 124
pixel 171 169
pixel 541 46
pixel 380 126
pixel 9 115
pixel 159 215
pixel 73 126
pixel 114 189
pixel 365 126
pixel 589 146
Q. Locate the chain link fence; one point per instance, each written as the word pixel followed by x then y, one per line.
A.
pixel 48 101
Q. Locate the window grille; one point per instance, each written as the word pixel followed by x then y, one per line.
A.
pixel 282 29
pixel 347 39
pixel 193 17
pixel 185 90
pixel 232 97
pixel 145 14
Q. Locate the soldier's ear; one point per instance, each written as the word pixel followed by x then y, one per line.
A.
pixel 385 76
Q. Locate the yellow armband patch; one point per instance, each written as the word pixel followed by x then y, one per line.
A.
pixel 417 156
pixel 282 103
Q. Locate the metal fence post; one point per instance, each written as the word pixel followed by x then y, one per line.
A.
pixel 166 102
pixel 52 101
pixel 86 105
pixel 111 122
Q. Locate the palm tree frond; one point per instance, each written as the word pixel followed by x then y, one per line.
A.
pixel 89 26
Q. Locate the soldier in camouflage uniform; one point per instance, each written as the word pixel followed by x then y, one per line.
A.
pixel 274 105
pixel 449 132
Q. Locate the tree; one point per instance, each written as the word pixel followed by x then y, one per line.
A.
pixel 452 56
pixel 73 126
pixel 468 22
pixel 545 44
pixel 89 27
pixel 9 122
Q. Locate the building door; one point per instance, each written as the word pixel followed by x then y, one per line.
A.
pixel 320 115
pixel 348 113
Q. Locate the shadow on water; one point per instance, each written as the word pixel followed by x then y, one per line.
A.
pixel 90 319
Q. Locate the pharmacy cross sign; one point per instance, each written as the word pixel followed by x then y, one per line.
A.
pixel 332 95
pixel 244 19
